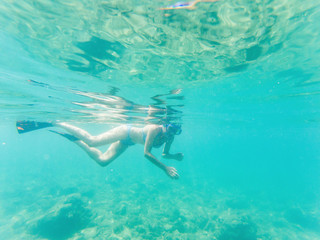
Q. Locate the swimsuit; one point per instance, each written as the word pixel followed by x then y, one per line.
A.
pixel 127 141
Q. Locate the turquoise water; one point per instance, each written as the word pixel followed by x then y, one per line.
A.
pixel 242 77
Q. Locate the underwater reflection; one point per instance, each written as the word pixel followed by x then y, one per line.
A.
pixel 111 107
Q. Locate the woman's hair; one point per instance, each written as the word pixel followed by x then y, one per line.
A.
pixel 176 128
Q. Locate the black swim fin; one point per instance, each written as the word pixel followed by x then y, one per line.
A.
pixel 66 135
pixel 28 126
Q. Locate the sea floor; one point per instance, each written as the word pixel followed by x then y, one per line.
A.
pixel 76 207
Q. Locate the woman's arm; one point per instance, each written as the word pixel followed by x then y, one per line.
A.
pixel 151 135
pixel 166 149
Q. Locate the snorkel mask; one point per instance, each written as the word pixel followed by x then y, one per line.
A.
pixel 176 128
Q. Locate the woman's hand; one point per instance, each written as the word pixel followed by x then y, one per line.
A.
pixel 178 156
pixel 172 172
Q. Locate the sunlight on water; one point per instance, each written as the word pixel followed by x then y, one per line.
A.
pixel 121 42
pixel 213 40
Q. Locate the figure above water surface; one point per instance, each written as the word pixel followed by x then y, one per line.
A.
pixel 120 138
pixel 186 5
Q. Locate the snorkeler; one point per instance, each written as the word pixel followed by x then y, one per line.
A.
pixel 120 138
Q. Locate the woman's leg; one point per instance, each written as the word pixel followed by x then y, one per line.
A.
pixel 103 159
pixel 111 136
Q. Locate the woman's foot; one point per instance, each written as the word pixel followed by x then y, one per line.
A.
pixel 28 126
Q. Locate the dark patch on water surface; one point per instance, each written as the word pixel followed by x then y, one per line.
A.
pixel 101 49
pixel 306 221
pixel 64 220
pixel 253 53
pixel 94 50
pixel 210 18
pixel 274 48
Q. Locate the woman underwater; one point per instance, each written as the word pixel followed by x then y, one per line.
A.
pixel 120 138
